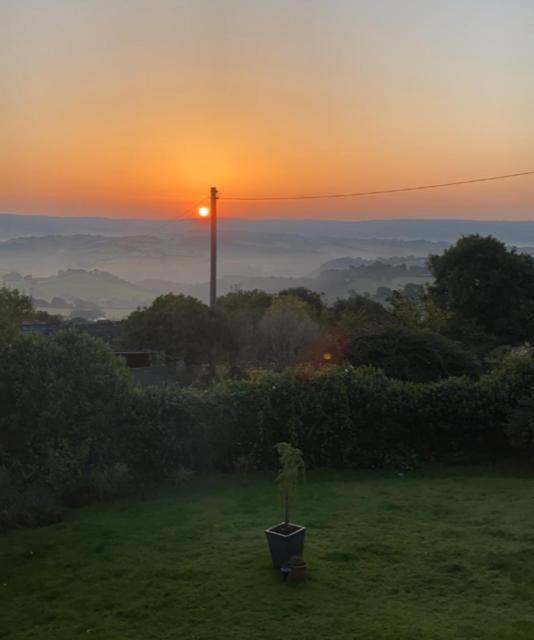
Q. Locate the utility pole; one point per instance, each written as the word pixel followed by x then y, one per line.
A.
pixel 213 250
pixel 213 275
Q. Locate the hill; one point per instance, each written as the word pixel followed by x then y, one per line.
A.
pixel 516 232
pixel 73 284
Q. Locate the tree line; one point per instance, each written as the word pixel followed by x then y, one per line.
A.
pixel 444 375
pixel 481 301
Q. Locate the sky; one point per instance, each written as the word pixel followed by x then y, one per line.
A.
pixel 134 108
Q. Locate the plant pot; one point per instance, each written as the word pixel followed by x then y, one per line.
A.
pixel 297 573
pixel 285 540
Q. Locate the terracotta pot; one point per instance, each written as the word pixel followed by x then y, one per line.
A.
pixel 298 574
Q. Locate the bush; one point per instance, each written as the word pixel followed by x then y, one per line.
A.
pixel 26 506
pixel 340 416
pixel 179 325
pixel 182 476
pixel 111 480
pixel 520 427
pixel 64 402
pixel 411 354
pixel 73 428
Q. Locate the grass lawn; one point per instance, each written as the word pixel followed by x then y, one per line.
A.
pixel 441 554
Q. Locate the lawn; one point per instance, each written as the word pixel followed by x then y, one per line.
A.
pixel 441 554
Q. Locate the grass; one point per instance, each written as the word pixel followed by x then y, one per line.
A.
pixel 435 555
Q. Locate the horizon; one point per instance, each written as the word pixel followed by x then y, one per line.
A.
pixel 194 219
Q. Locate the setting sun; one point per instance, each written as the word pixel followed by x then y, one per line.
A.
pixel 203 212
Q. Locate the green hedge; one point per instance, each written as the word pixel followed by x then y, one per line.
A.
pixel 341 417
pixel 75 428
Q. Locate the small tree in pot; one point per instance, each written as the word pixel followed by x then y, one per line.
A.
pixel 287 539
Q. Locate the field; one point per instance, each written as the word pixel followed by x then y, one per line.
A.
pixel 440 554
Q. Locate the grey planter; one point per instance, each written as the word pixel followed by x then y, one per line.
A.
pixel 284 544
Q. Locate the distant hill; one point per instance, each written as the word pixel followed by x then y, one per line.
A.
pixel 183 256
pixel 519 232
pixel 271 254
pixel 346 262
pixel 115 294
pixel 439 230
pixel 74 284
pixel 14 225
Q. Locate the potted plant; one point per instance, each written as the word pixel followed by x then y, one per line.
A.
pixel 286 539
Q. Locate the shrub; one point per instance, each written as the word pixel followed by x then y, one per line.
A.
pixel 64 400
pixel 520 426
pixel 340 416
pixel 182 476
pixel 26 505
pixel 111 480
pixel 179 325
pixel 411 354
pixel 72 427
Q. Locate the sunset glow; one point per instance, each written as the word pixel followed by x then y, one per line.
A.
pixel 136 108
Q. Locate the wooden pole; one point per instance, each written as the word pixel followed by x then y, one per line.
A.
pixel 213 275
pixel 213 250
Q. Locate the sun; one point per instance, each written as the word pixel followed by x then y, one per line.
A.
pixel 203 212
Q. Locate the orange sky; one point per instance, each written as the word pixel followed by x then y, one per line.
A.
pixel 135 108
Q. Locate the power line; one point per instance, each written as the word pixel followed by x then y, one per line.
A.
pixel 184 215
pixel 381 191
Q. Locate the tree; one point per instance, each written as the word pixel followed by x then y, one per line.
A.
pixel 240 313
pixel 15 307
pixel 483 283
pixel 286 331
pixel 419 311
pixel 63 401
pixel 179 325
pixel 357 311
pixel 411 354
pixel 311 298
pixel 520 426
pixel 382 294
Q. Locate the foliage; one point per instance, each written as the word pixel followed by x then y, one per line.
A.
pixel 419 312
pixel 484 283
pixel 357 311
pixel 182 476
pixel 64 401
pixel 240 313
pixel 14 308
pixel 520 426
pixel 411 354
pixel 179 325
pixel 286 331
pixel 73 424
pixel 292 469
pixel 26 505
pixel 311 298
pixel 110 480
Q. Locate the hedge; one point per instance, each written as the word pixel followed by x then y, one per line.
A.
pixel 340 417
pixel 73 426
